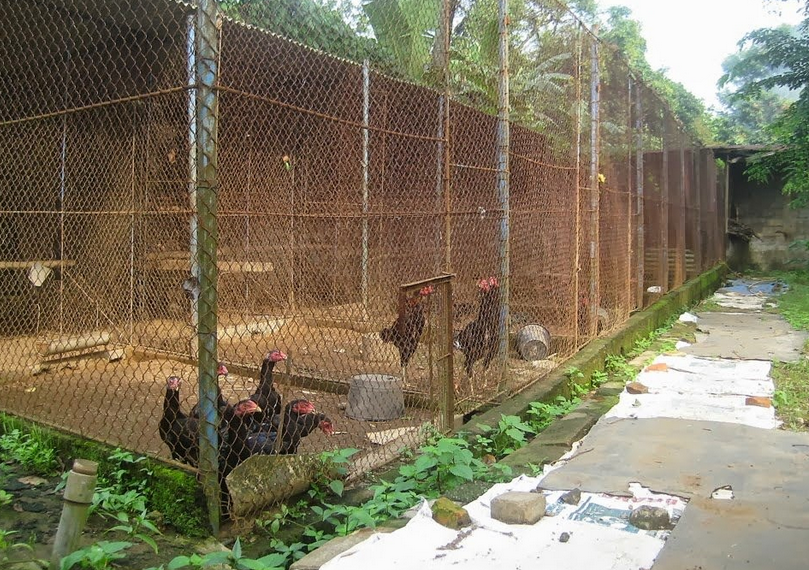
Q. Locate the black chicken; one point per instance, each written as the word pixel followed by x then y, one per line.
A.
pixel 235 447
pixel 406 330
pixel 173 421
pixel 305 425
pixel 221 402
pixel 263 440
pixel 479 339
pixel 178 431
pixel 266 396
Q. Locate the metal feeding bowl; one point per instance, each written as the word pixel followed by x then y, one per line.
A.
pixel 534 342
pixel 375 397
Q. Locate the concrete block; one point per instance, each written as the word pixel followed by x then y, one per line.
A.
pixel 518 508
pixel 611 388
pixel 568 429
pixel 535 453
pixel 336 546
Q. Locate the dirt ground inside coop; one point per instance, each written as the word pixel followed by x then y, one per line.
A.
pixel 121 402
pixel 321 347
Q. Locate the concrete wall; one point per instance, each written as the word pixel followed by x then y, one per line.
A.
pixel 766 210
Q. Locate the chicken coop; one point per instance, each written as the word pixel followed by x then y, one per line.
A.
pixel 338 183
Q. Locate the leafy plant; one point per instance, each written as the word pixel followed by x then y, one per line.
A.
pixel 285 516
pixel 290 552
pixel 332 469
pixel 126 472
pixel 121 495
pixel 5 542
pixel 541 414
pixel 573 373
pixel 108 503
pixel 508 436
pixel 618 367
pixel 30 450
pixel 780 398
pixel 599 377
pixel 345 519
pixel 442 466
pixel 8 547
pixel 229 559
pixel 135 526
pixel 97 556
pixel 5 498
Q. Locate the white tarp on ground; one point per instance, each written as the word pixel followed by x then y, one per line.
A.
pixel 709 389
pixel 601 537
pixel 703 376
pixel 729 409
pixel 717 368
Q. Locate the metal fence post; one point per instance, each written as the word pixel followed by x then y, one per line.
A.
pixel 630 222
pixel 595 91
pixel 191 73
pixel 639 195
pixel 579 131
pixel 664 215
pixel 366 121
pixel 696 199
pixel 682 243
pixel 503 133
pixel 446 151
pixel 207 58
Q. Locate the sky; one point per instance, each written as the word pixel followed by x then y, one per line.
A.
pixel 691 38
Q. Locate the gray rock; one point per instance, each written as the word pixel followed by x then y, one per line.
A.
pixel 611 388
pixel 571 497
pixel 564 537
pixel 518 508
pixel 650 518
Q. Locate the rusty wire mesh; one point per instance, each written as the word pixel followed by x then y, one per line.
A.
pixel 340 164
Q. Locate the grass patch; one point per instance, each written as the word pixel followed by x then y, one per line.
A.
pixel 794 304
pixel 791 397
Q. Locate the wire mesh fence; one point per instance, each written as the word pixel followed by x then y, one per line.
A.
pixel 253 182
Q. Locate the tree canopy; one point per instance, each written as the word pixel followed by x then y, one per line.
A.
pixel 786 54
pixel 746 117
pixel 626 34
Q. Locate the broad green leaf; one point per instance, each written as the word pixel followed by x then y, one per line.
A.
pixel 336 487
pixel 462 471
pixel 179 562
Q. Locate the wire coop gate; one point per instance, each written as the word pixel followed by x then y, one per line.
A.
pixel 187 185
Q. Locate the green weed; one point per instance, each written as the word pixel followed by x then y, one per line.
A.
pixel 97 556
pixel 791 398
pixel 510 434
pixel 541 414
pixel 31 450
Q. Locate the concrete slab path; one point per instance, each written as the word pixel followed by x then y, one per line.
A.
pixel 702 443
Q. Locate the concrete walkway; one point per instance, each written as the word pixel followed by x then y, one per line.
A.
pixel 701 442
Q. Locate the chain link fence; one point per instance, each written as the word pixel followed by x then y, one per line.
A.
pixel 338 189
